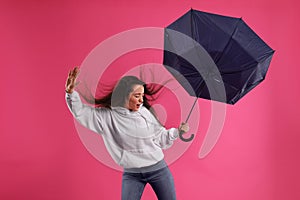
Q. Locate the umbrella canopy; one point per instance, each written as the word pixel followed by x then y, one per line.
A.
pixel 215 57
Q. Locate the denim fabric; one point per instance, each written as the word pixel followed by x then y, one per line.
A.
pixel 161 181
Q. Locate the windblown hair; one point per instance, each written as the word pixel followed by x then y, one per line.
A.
pixel 120 93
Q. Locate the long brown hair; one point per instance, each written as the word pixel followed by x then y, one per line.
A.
pixel 120 93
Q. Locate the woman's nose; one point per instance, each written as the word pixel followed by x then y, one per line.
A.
pixel 141 99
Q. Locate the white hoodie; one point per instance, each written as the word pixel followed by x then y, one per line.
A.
pixel 133 139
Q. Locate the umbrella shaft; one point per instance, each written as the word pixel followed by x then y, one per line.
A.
pixel 191 110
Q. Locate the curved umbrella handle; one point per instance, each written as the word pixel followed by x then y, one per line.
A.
pixel 182 132
pixel 185 139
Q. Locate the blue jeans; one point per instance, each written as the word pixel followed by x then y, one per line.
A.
pixel 161 181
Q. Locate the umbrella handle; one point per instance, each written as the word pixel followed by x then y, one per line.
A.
pixel 182 132
pixel 185 139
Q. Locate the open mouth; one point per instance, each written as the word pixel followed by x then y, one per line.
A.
pixel 138 105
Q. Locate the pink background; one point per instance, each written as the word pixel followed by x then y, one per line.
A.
pixel 41 155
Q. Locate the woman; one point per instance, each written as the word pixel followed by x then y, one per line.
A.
pixel 132 134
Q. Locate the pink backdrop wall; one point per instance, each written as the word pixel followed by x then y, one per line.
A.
pixel 41 155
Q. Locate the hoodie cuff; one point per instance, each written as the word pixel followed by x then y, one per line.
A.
pixel 173 133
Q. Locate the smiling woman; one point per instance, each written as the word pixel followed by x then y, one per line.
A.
pixel 132 134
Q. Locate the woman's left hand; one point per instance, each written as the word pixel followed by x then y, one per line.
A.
pixel 184 127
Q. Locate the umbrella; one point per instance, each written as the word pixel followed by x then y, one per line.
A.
pixel 215 57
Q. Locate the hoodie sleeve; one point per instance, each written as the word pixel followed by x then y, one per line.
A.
pixel 165 137
pixel 86 115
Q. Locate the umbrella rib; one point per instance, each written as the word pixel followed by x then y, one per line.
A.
pixel 235 71
pixel 240 20
pixel 190 74
pixel 231 38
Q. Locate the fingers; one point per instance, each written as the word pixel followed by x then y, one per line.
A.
pixel 184 127
pixel 74 72
pixel 71 81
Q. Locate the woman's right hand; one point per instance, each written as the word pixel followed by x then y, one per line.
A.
pixel 71 81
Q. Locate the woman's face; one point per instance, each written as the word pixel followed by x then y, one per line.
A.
pixel 135 98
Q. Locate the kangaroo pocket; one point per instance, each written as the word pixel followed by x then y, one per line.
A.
pixel 137 158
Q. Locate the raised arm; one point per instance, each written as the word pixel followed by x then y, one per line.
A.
pixel 86 115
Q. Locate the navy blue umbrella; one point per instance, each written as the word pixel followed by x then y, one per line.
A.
pixel 215 57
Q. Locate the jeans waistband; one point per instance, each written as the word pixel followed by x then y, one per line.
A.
pixel 159 165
